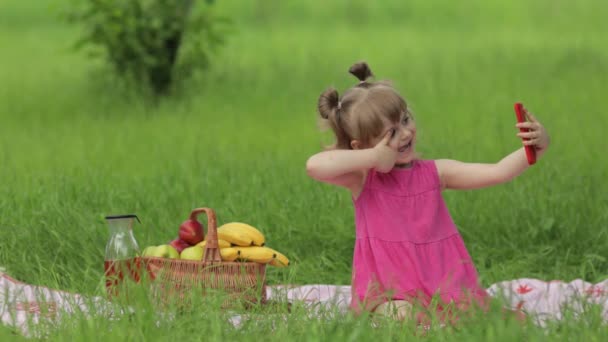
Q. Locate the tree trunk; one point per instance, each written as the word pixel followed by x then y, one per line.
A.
pixel 161 77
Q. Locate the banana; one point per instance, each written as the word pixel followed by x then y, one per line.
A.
pixel 234 236
pixel 221 243
pixel 256 253
pixel 245 229
pixel 229 253
pixel 279 259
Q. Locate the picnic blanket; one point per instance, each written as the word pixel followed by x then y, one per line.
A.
pixel 22 305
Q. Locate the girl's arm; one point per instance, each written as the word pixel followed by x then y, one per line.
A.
pixel 465 176
pixel 458 175
pixel 341 167
pixel 347 168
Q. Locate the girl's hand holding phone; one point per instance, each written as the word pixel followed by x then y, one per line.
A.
pixel 532 132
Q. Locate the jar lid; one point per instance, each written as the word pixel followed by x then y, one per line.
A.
pixel 115 217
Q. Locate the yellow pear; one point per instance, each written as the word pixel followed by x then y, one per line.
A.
pixel 162 251
pixel 192 253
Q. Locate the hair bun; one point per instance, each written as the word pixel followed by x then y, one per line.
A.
pixel 328 102
pixel 361 70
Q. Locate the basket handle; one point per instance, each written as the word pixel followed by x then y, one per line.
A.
pixel 212 251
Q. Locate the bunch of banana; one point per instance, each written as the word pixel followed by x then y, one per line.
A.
pixel 279 260
pixel 229 254
pixel 241 234
pixel 264 255
pixel 241 242
pixel 220 243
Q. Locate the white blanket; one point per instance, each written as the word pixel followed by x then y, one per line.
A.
pixel 24 305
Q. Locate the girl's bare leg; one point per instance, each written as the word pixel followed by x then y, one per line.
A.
pixel 400 310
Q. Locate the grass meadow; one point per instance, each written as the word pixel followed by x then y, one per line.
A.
pixel 76 146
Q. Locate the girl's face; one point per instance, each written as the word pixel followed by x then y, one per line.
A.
pixel 405 131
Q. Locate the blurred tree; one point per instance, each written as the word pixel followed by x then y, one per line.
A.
pixel 152 42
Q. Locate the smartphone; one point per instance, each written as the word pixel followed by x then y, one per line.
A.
pixel 530 150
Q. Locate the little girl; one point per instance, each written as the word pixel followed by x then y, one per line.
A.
pixel 407 248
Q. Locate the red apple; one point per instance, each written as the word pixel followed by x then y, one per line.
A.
pixel 179 245
pixel 191 231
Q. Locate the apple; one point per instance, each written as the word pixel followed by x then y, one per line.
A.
pixel 148 251
pixel 165 251
pixel 191 231
pixel 192 253
pixel 179 245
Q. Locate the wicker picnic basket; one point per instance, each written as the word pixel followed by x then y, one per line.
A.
pixel 239 282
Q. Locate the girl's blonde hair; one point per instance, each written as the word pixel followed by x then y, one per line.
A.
pixel 362 112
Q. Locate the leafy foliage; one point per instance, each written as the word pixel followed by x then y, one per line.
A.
pixel 151 42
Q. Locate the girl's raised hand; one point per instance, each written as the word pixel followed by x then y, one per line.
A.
pixel 387 152
pixel 537 135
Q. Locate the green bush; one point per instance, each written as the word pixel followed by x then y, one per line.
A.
pixel 151 42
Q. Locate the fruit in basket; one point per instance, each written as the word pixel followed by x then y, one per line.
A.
pixel 191 231
pixel 229 253
pixel 256 236
pixel 235 238
pixel 241 234
pixel 279 259
pixel 220 243
pixel 167 251
pixel 256 254
pixel 179 245
pixel 162 251
pixel 192 253
pixel 148 251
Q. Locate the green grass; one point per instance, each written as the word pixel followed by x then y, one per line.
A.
pixel 74 146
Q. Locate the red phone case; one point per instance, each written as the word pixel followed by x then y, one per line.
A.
pixel 530 151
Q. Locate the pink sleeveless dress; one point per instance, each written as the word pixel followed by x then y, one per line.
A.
pixel 407 246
